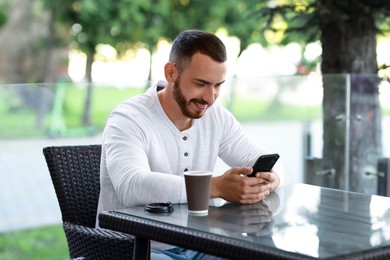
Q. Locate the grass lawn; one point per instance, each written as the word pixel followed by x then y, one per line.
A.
pixel 104 100
pixel 38 243
pixel 20 121
pixel 252 110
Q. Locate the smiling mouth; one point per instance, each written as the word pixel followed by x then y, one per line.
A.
pixel 200 105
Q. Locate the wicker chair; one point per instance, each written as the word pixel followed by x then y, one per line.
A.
pixel 75 172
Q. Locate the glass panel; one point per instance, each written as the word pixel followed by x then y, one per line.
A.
pixel 364 136
pixel 57 110
pixel 24 109
pixel 383 166
pixel 285 114
pixel 384 100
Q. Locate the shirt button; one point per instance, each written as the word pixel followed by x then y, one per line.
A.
pixel 185 138
pixel 186 170
pixel 185 154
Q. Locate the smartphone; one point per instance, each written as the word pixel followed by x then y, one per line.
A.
pixel 264 163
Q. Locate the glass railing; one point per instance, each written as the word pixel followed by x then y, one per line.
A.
pixel 58 110
pixel 330 130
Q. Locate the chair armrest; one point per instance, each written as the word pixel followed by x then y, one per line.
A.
pixel 97 243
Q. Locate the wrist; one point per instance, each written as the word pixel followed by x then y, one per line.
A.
pixel 276 182
pixel 214 191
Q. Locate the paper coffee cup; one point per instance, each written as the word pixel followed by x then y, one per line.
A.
pixel 198 191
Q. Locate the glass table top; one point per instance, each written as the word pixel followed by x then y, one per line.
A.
pixel 303 219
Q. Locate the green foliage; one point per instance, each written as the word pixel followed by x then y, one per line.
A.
pixel 241 21
pixel 4 6
pixel 304 19
pixel 3 18
pixel 39 243
pixel 232 15
pixel 126 23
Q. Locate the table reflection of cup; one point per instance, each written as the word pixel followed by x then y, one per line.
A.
pixel 198 191
pixel 199 222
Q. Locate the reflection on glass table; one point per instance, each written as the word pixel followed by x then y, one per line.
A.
pixel 297 221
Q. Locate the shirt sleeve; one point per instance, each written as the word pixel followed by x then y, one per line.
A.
pixel 236 148
pixel 128 168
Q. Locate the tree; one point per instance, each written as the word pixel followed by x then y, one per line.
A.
pixel 91 23
pixel 347 31
pixel 22 53
pixel 149 26
pixel 166 19
pixel 129 24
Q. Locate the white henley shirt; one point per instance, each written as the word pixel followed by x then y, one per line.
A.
pixel 144 155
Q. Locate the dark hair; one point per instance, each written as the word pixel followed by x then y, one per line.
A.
pixel 189 42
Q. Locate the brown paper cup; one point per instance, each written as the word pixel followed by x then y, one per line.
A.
pixel 198 191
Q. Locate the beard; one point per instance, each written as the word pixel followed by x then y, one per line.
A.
pixel 184 103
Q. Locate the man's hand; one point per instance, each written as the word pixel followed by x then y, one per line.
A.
pixel 234 186
pixel 255 219
pixel 269 177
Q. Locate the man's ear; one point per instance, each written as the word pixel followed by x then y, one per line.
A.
pixel 169 71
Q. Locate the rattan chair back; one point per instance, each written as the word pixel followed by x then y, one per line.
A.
pixel 75 173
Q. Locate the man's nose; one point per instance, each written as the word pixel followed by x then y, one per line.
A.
pixel 210 95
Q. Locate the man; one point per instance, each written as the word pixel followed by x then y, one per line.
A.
pixel 176 126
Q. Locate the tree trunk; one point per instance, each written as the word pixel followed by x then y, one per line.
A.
pixel 48 60
pixel 88 98
pixel 149 81
pixel 351 110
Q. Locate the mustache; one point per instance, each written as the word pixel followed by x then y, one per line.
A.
pixel 200 101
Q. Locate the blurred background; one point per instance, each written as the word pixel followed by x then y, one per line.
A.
pixel 307 79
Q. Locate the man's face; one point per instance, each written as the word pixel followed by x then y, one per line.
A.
pixel 197 87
